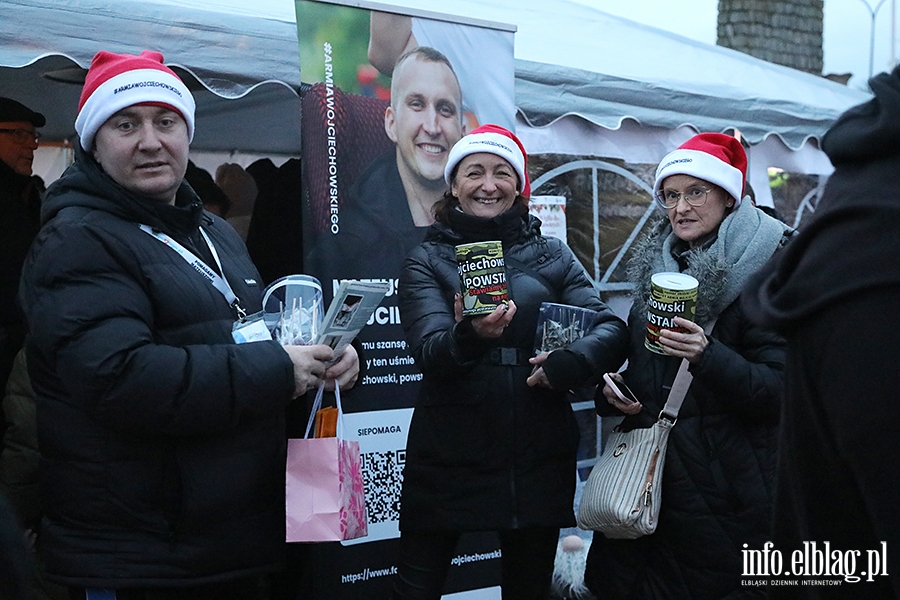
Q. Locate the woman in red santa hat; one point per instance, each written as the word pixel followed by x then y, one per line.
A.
pixel 492 442
pixel 717 484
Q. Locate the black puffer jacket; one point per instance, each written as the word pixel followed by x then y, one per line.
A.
pixel 718 481
pixel 835 292
pixel 20 208
pixel 485 451
pixel 162 441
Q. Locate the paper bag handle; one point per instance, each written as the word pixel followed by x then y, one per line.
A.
pixel 317 404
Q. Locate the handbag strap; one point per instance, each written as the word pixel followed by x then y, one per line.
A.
pixel 681 384
pixel 317 404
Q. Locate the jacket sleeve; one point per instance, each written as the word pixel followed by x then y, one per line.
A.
pixel 92 325
pixel 602 349
pixel 19 456
pixel 439 344
pixel 748 376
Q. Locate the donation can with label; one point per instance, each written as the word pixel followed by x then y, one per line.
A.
pixel 671 295
pixel 482 277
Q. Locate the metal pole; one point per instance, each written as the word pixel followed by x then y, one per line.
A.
pixel 893 33
pixel 595 193
pixel 873 13
pixel 872 47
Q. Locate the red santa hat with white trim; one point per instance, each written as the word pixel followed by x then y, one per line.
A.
pixel 713 157
pixel 117 81
pixel 496 140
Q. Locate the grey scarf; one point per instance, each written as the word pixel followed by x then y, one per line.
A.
pixel 745 241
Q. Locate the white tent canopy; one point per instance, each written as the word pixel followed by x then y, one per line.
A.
pixel 244 71
pixel 588 82
pixel 576 60
pixel 578 70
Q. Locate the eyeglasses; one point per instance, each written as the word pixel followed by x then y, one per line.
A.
pixel 695 196
pixel 22 136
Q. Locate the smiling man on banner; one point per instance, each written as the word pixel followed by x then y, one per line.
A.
pixel 389 208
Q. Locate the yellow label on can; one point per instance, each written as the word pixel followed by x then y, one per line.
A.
pixel 671 295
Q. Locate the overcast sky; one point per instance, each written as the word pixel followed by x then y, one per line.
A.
pixel 846 35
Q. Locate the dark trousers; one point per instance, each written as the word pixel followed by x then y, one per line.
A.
pixel 526 564
pixel 253 588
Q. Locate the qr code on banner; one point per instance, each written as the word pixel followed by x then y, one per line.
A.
pixel 383 476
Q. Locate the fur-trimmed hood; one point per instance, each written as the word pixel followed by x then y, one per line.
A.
pixel 745 241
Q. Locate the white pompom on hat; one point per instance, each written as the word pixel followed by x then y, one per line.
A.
pixel 496 140
pixel 117 81
pixel 713 157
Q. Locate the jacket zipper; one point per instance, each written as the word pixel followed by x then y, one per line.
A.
pixel 512 472
pixel 648 481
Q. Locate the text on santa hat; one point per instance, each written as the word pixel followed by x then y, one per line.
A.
pixel 143 84
pixel 492 143
pixel 675 162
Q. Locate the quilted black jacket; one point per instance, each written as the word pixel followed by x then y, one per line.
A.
pixel 162 441
pixel 485 451
pixel 719 476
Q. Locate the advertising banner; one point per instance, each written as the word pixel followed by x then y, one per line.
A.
pixel 385 96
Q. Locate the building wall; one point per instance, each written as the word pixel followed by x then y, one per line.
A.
pixel 783 32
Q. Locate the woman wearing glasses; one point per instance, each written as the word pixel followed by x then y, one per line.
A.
pixel 717 484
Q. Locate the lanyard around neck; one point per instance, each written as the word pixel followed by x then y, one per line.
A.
pixel 218 282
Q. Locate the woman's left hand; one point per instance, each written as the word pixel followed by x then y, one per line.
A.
pixel 491 325
pixel 538 377
pixel 345 371
pixel 690 345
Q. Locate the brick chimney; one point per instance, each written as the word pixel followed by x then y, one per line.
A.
pixel 786 33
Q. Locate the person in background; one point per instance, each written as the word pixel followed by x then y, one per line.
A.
pixel 162 440
pixel 718 479
pixel 493 439
pixel 19 456
pixel 241 190
pixel 20 214
pixel 15 564
pixel 834 293
pixel 274 218
pixel 213 197
pixel 20 473
pixel 20 207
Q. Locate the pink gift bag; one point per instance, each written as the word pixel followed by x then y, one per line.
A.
pixel 324 495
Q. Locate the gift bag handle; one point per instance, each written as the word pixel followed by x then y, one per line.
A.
pixel 339 429
pixel 317 404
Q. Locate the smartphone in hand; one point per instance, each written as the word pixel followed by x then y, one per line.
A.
pixel 621 390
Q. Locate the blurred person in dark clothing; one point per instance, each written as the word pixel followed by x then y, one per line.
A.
pixel 20 212
pixel 213 197
pixel 834 293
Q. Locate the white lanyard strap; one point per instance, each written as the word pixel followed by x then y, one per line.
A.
pixel 220 283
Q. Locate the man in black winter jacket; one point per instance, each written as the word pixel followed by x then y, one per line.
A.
pixel 20 206
pixel 162 439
